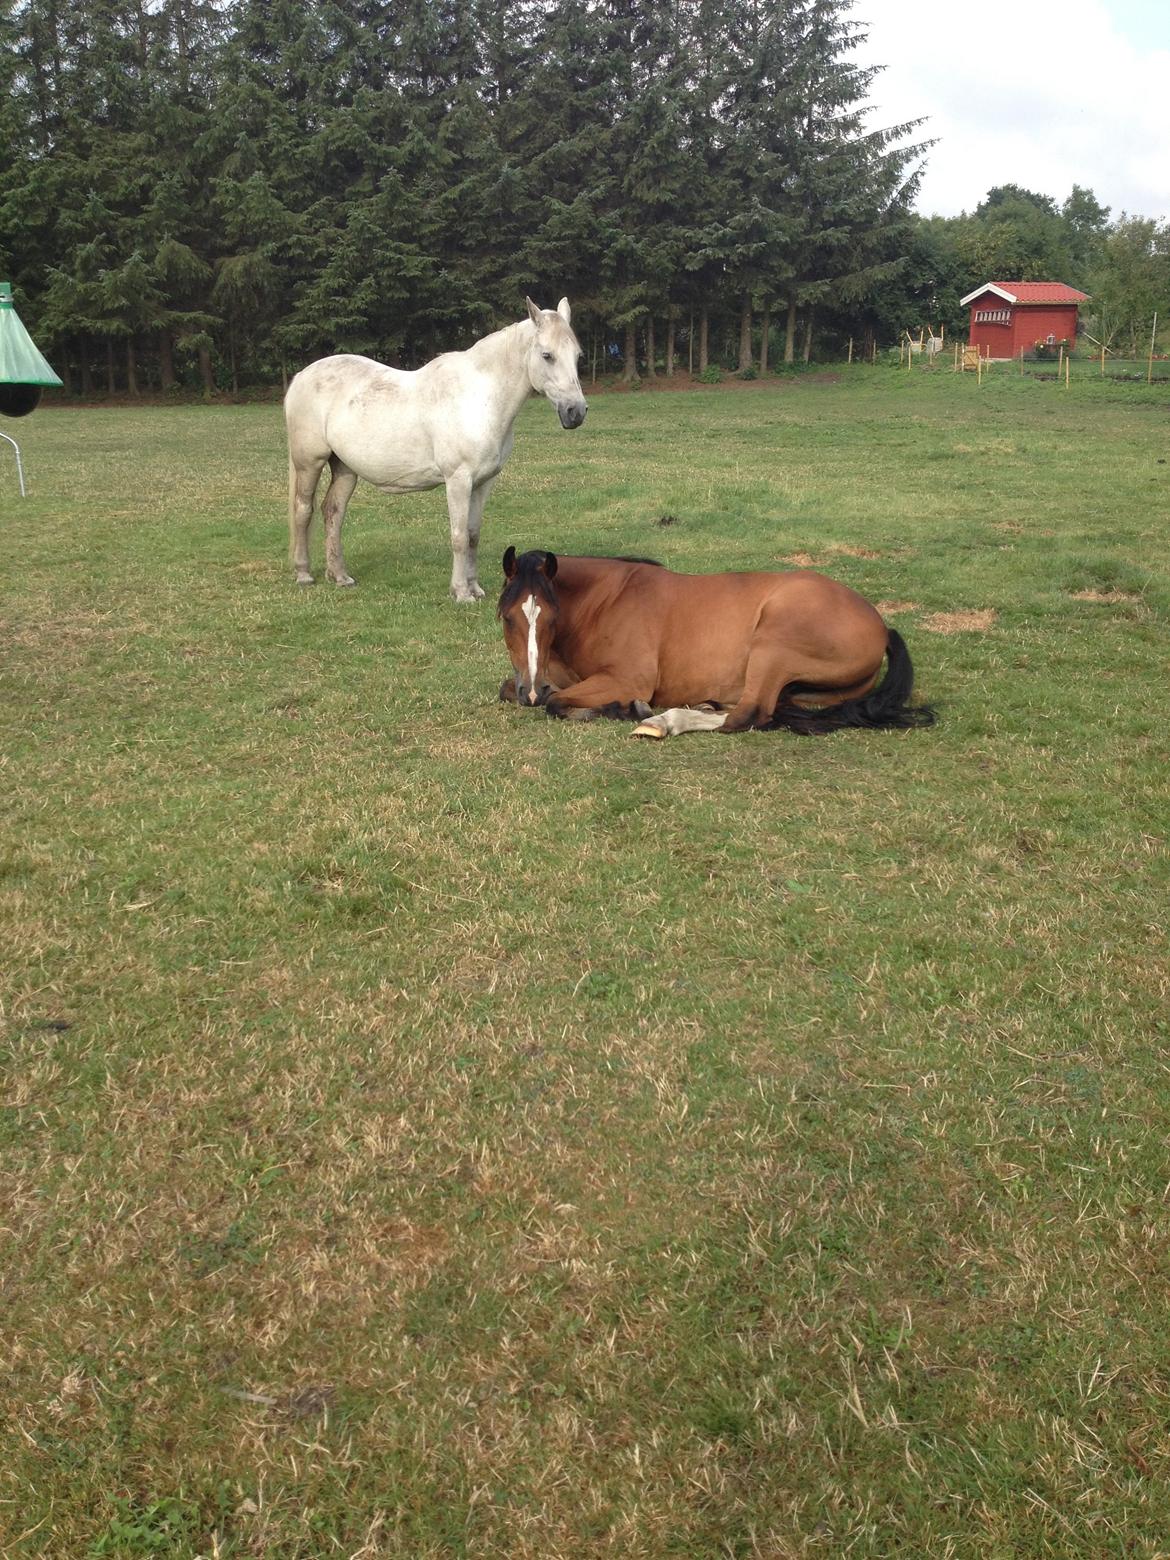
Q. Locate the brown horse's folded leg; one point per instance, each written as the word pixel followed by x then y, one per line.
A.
pixel 603 694
pixel 672 723
pixel 744 717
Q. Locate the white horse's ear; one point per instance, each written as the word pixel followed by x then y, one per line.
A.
pixel 564 311
pixel 533 312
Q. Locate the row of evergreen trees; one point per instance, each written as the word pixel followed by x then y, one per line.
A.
pixel 221 190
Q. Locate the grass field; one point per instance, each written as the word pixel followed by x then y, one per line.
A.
pixel 428 1129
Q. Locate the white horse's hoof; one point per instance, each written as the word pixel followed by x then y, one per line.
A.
pixel 345 580
pixel 654 727
pixel 467 593
pixel 305 579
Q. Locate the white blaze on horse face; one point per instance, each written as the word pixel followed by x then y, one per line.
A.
pixel 531 610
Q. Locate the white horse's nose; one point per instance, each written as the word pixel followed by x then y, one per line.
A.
pixel 572 413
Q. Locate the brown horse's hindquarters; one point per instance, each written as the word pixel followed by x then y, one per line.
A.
pixel 824 658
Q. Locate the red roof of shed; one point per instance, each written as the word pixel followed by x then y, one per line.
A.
pixel 1034 292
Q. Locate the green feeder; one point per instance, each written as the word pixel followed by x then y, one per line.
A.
pixel 23 371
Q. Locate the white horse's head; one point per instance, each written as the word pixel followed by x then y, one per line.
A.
pixel 552 362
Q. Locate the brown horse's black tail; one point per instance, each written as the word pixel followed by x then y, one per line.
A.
pixel 887 705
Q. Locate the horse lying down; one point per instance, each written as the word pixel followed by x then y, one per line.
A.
pixel 622 637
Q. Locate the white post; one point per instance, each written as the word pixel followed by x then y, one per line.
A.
pixel 19 468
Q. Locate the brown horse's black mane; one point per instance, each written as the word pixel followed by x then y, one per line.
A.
pixel 531 572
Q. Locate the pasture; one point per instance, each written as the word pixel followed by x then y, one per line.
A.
pixel 429 1129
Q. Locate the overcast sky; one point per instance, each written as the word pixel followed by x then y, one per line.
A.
pixel 1043 93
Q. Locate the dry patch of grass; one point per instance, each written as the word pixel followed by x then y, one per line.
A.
pixel 975 620
pixel 1107 597
pixel 848 550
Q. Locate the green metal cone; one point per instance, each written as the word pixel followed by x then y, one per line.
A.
pixel 20 362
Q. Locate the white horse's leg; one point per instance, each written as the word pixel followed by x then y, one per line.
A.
pixel 673 723
pixel 479 497
pixel 464 585
pixel 337 497
pixel 302 491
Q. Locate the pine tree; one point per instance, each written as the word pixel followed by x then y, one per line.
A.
pixel 847 190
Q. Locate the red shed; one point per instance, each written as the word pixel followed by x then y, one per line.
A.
pixel 1010 317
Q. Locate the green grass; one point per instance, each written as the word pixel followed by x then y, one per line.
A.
pixel 428 1129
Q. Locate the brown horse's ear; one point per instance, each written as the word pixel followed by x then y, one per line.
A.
pixel 534 313
pixel 549 567
pixel 509 563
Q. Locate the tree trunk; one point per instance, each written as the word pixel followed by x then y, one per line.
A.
pixel 808 333
pixel 651 372
pixel 131 367
pixel 86 375
pixel 745 336
pixel 166 361
pixel 670 342
pixel 703 334
pixel 110 365
pixel 232 353
pixel 630 366
pixel 765 326
pixel 790 332
pixel 207 378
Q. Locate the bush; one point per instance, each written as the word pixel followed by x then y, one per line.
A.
pixel 747 373
pixel 711 375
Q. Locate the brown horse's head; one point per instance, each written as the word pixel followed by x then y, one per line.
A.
pixel 528 610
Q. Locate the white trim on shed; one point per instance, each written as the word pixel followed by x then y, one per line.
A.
pixel 987 287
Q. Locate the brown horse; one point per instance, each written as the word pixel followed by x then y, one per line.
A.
pixel 621 636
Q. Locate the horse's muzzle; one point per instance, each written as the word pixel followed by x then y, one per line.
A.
pixel 571 413
pixel 524 695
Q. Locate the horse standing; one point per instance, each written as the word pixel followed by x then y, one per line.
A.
pixel 621 636
pixel 449 422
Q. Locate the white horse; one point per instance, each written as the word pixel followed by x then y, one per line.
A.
pixel 450 421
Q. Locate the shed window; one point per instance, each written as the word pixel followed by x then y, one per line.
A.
pixel 993 316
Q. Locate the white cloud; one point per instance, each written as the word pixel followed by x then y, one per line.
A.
pixel 1047 94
